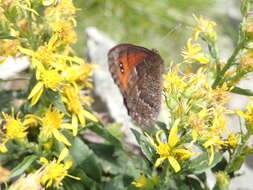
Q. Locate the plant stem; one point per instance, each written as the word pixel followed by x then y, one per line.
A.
pixel 238 151
pixel 228 65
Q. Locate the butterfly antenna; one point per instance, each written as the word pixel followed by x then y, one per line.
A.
pixel 171 31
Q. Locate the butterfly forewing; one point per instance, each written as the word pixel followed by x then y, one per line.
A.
pixel 137 72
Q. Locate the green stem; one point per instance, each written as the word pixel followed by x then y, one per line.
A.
pixel 238 151
pixel 229 63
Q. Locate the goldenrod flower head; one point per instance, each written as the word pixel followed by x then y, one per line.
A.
pixel 170 150
pixel 49 79
pixel 173 81
pixel 193 53
pixel 218 119
pixel 63 8
pixel 246 62
pixel 145 183
pixel 52 123
pixel 205 27
pixel 55 171
pixel 45 57
pixel 247 115
pixel 13 128
pixel 78 73
pixel 23 25
pixel 72 99
pixel 220 95
pixel 65 30
pixel 8 3
pixel 249 27
pixel 8 47
pixel 233 139
pixel 222 178
pixel 198 123
pixel 4 175
pixel 28 182
pixel 213 143
pixel 141 181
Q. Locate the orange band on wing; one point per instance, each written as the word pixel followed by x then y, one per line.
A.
pixel 129 61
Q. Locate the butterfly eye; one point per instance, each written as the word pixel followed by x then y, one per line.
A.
pixel 121 67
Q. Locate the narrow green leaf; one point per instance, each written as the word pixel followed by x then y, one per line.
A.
pixel 13 38
pixel 237 164
pixel 8 37
pixel 19 169
pixel 85 159
pixel 200 164
pixel 145 146
pixel 242 91
pixel 56 100
pixel 103 132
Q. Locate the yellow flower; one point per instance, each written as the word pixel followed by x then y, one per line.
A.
pixel 213 144
pixel 222 179
pixel 46 56
pixel 48 79
pixel 72 99
pixel 173 81
pixel 52 123
pixel 249 27
pixel 79 73
pixel 220 95
pixel 198 123
pixel 65 30
pixel 170 150
pixel 205 27
pixel 8 47
pixel 193 53
pixel 28 182
pixel 4 175
pixel 146 183
pixel 247 115
pixel 233 139
pixel 246 62
pixel 13 128
pixel 63 8
pixel 141 181
pixel 55 171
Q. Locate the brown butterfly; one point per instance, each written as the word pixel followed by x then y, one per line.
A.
pixel 137 71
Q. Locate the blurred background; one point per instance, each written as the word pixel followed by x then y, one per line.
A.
pixel 164 25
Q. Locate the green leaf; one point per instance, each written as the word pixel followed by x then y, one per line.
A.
pixel 84 158
pixel 55 99
pixel 87 181
pixel 242 91
pixel 13 38
pixel 103 132
pixel 145 146
pixel 119 182
pixel 237 164
pixel 19 169
pixel 71 184
pixel 200 164
pixel 8 37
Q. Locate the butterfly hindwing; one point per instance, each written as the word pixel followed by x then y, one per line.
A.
pixel 137 72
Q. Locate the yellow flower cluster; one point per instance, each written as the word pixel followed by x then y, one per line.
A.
pixel 194 106
pixel 47 42
pixel 172 150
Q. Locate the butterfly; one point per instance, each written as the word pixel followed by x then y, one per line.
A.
pixel 137 71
